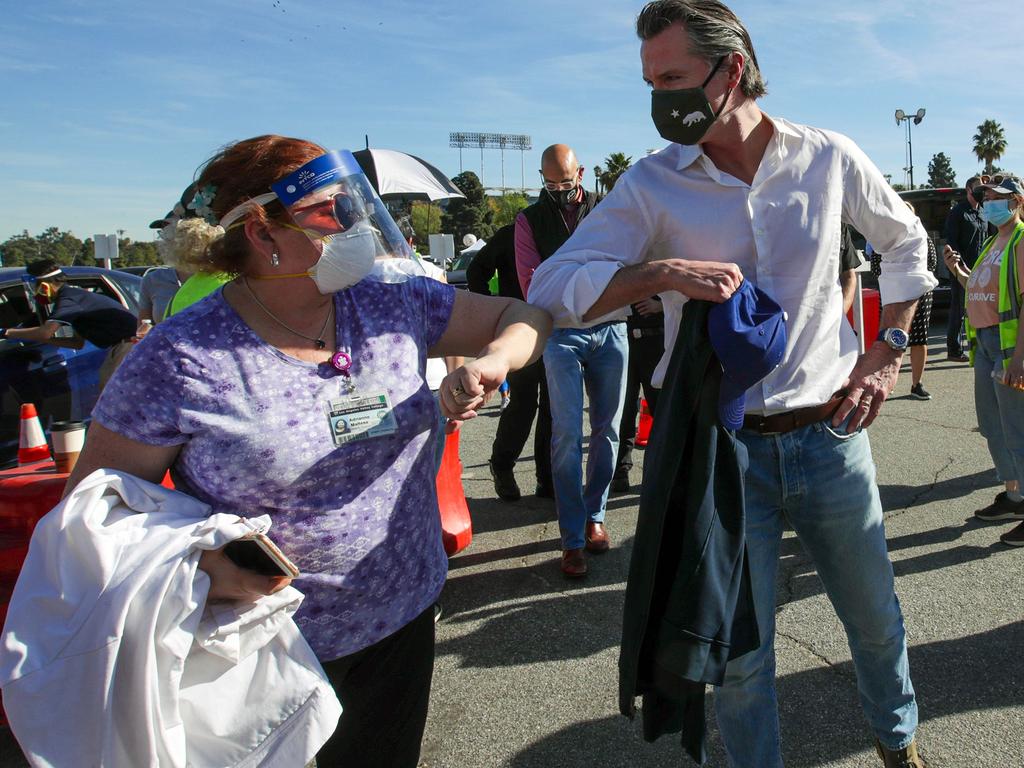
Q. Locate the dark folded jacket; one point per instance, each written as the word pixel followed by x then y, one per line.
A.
pixel 689 608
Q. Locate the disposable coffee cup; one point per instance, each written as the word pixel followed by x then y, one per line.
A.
pixel 68 438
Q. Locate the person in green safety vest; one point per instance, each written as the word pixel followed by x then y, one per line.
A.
pixel 996 347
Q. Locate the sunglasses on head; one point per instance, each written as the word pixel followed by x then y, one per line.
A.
pixel 335 214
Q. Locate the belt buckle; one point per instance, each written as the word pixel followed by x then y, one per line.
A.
pixel 760 428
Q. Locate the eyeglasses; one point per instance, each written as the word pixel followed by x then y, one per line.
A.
pixel 335 214
pixel 561 186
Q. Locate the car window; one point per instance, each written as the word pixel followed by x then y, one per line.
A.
pixel 15 309
pixel 98 284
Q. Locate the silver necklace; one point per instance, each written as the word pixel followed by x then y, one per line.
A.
pixel 318 341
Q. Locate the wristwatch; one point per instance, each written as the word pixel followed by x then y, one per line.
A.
pixel 896 338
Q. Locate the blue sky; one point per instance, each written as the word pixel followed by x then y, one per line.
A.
pixel 109 106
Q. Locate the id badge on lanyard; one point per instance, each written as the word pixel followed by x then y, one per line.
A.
pixel 360 417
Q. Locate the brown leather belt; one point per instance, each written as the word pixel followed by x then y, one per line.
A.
pixel 779 423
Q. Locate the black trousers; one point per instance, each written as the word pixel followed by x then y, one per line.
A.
pixel 644 355
pixel 528 390
pixel 956 318
pixel 384 692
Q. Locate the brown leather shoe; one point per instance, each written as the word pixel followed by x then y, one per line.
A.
pixel 900 758
pixel 597 538
pixel 574 564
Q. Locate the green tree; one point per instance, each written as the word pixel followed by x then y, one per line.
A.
pixel 66 249
pixel 426 221
pixel 19 250
pixel 940 171
pixel 989 143
pixel 616 164
pixel 137 254
pixel 469 215
pixel 506 207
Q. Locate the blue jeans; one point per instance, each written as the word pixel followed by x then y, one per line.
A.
pixel 1000 409
pixel 573 358
pixel 822 481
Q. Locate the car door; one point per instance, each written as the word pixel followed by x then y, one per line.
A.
pixel 29 372
pixel 84 364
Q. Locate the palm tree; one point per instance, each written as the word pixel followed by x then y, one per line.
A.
pixel 989 143
pixel 615 165
pixel 597 171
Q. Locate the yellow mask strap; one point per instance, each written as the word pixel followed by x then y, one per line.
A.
pixel 307 232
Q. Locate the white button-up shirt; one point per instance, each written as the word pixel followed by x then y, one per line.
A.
pixel 782 230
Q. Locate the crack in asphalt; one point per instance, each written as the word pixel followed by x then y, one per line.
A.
pixel 922 492
pixel 836 669
pixel 929 422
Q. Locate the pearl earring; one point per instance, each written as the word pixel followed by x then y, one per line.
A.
pixel 274 260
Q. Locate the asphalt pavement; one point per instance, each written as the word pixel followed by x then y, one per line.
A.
pixel 526 673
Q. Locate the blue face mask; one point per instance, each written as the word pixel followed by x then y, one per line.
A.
pixel 998 211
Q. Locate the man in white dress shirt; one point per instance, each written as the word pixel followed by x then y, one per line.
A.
pixel 740 195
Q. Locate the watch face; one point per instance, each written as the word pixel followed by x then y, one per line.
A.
pixel 898 337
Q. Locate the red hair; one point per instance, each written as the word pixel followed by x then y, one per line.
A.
pixel 239 172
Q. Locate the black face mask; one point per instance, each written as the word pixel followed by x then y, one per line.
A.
pixel 685 115
pixel 564 197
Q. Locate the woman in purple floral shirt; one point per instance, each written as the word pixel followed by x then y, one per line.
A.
pixel 290 398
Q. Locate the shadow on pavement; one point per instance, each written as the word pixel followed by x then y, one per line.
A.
pixel 896 497
pixel 974 673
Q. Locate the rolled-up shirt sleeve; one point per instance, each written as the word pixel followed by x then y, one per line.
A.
pixel 872 206
pixel 614 235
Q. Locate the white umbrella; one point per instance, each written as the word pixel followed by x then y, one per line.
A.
pixel 399 176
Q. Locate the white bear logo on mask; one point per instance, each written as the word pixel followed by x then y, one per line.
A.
pixel 694 117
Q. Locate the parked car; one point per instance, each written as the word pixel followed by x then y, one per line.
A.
pixel 931 205
pixel 138 270
pixel 456 272
pixel 40 373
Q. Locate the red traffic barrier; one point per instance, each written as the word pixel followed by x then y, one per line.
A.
pixel 31 441
pixel 643 432
pixel 456 525
pixel 872 314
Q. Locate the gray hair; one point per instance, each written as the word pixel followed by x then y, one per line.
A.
pixel 714 31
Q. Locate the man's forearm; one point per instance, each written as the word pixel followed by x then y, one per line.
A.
pixel 848 283
pixel 39 334
pixel 708 280
pixel 630 284
pixel 898 315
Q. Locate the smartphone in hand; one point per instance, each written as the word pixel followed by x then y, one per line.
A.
pixel 259 554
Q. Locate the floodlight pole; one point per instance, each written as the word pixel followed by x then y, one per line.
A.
pixel 916 118
pixel 500 141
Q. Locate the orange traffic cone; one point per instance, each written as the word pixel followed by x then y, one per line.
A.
pixel 643 432
pixel 31 443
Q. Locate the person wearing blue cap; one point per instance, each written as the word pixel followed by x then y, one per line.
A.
pixel 737 194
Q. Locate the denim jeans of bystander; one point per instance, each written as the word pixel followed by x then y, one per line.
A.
pixel 574 359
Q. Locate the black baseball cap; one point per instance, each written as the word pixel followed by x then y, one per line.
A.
pixel 179 211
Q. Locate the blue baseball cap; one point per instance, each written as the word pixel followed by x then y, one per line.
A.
pixel 748 334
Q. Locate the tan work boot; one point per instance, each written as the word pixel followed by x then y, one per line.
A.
pixel 900 758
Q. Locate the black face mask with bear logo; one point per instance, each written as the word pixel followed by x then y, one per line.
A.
pixel 684 115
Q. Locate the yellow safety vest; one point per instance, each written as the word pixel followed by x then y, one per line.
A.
pixel 1008 301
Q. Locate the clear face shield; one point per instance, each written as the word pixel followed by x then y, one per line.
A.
pixel 331 201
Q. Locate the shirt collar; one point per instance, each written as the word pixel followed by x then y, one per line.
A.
pixel 688 154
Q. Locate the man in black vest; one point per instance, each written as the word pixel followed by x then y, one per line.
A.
pixel 593 355
pixel 527 388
